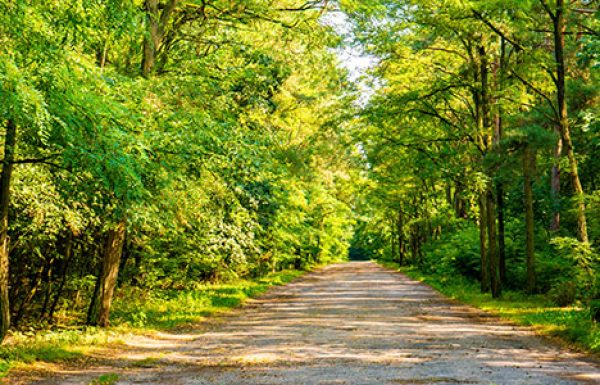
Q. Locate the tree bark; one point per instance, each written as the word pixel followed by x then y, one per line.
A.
pixel 498 135
pixel 393 238
pixel 496 287
pixel 401 246
pixel 67 255
pixel 100 308
pixel 157 18
pixel 485 276
pixel 528 167
pixel 501 233
pixel 555 182
pixel 489 206
pixel 29 296
pixel 459 202
pixel 151 40
pixel 558 20
pixel 10 141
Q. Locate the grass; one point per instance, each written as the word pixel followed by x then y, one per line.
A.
pixel 571 325
pixel 134 312
pixel 105 379
pixel 168 309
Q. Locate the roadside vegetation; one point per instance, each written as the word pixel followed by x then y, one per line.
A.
pixel 161 160
pixel 572 324
pixel 135 312
pixel 481 147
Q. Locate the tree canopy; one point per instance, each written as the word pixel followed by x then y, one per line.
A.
pixel 160 144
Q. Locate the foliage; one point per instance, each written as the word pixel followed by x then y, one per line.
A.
pixel 468 123
pixel 228 158
pixel 229 143
pixel 137 311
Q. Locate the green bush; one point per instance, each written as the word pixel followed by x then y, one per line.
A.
pixel 563 293
pixel 595 310
pixel 576 265
pixel 454 253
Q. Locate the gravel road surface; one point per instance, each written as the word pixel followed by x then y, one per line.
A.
pixel 348 324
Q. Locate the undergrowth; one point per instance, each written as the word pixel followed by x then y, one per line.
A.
pixel 134 312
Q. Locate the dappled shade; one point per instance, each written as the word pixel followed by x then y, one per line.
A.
pixel 353 323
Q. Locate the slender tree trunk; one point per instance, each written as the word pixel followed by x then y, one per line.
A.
pixel 493 245
pixel 92 313
pixel 393 238
pixel 485 276
pixel 28 298
pixel 10 141
pixel 563 115
pixel 49 279
pixel 484 122
pixel 489 204
pixel 400 238
pixel 68 252
pixel 498 135
pixel 501 233
pixel 100 309
pixel 555 182
pixel 459 202
pixel 448 190
pixel 419 243
pixel 528 167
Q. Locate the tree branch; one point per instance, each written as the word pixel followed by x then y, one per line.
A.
pixel 537 91
pixel 480 17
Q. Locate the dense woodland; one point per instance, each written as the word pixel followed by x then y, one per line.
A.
pixel 483 142
pixel 162 144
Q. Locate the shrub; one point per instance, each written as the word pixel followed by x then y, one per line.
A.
pixel 563 293
pixel 578 263
pixel 595 310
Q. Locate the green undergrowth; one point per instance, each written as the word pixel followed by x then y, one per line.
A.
pixel 135 312
pixel 571 324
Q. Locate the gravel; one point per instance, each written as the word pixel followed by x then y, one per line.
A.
pixel 354 323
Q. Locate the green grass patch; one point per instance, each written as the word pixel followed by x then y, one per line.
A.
pixel 105 379
pixel 135 312
pixel 49 346
pixel 571 324
pixel 168 309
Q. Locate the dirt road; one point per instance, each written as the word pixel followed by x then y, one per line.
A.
pixel 353 323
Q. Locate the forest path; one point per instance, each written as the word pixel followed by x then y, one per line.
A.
pixel 352 323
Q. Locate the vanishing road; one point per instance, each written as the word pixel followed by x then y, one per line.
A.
pixel 352 323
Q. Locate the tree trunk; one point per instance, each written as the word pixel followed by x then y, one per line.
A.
pixel 493 245
pixel 555 183
pixel 485 126
pixel 393 239
pixel 157 17
pixel 501 233
pixel 528 166
pixel 151 39
pixel 100 308
pixel 448 190
pixel 485 276
pixel 401 246
pixel 563 115
pixel 28 298
pixel 10 141
pixel 498 135
pixel 67 255
pixel 460 208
